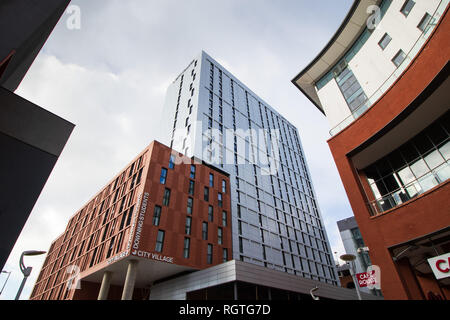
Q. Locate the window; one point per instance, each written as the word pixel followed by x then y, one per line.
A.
pixel 224 218
pixel 211 180
pixel 190 204
pixel 191 187
pixel 187 244
pixel 225 255
pixel 412 169
pixel 220 236
pixel 172 161
pixel 210 213
pixel 162 178
pixel 424 22
pixel 407 7
pixel 206 194
pixel 209 257
pixel 399 58
pixel 205 231
pixel 192 175
pixel 159 241
pixel 156 215
pixel 224 186
pixel 351 89
pixel 188 225
pixel 219 199
pixel 166 197
pixel 384 41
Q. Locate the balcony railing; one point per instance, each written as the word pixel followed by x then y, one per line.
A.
pixel 397 72
pixel 411 190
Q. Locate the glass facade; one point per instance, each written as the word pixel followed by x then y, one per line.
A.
pixel 272 196
pixel 417 166
pixel 350 88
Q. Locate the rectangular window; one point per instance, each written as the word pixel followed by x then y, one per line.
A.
pixel 225 255
pixel 384 41
pixel 206 194
pixel 190 205
pixel 210 213
pixel 166 197
pixel 211 180
pixel 192 175
pixel 407 7
pixel 224 218
pixel 187 244
pixel 209 258
pixel 191 187
pixel 351 89
pixel 412 169
pixel 220 236
pixel 188 225
pixel 156 215
pixel 205 231
pixel 172 161
pixel 159 241
pixel 162 178
pixel 424 22
pixel 219 199
pixel 224 186
pixel 399 58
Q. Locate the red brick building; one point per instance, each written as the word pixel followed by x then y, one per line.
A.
pixel 164 215
pixel 386 93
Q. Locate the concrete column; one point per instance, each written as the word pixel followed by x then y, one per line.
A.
pixel 104 288
pixel 128 287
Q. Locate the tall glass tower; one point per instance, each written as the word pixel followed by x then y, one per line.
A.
pixel 211 116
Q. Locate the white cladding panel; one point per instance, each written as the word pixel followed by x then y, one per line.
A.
pixel 372 65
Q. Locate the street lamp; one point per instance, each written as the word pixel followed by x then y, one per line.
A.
pixel 9 273
pixel 351 259
pixel 26 270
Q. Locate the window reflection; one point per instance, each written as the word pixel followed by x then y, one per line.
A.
pixel 415 167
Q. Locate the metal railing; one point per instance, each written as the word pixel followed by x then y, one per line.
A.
pixel 397 72
pixel 411 190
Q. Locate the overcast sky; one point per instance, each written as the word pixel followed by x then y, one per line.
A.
pixel 110 76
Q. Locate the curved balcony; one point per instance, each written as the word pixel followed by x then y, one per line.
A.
pixel 411 190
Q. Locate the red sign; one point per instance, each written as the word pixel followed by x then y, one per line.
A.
pixel 366 278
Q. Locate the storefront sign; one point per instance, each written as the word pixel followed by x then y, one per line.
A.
pixel 366 279
pixel 440 266
pixel 152 256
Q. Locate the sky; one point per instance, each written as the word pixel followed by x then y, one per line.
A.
pixel 110 75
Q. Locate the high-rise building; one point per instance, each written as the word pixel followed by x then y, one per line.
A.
pixel 152 221
pixel 382 82
pixel 31 138
pixel 276 220
pixel 199 226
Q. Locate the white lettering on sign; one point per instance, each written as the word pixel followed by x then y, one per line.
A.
pixel 371 278
pixel 440 266
pixel 133 225
pixel 152 256
pixel 140 222
pixel 117 257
